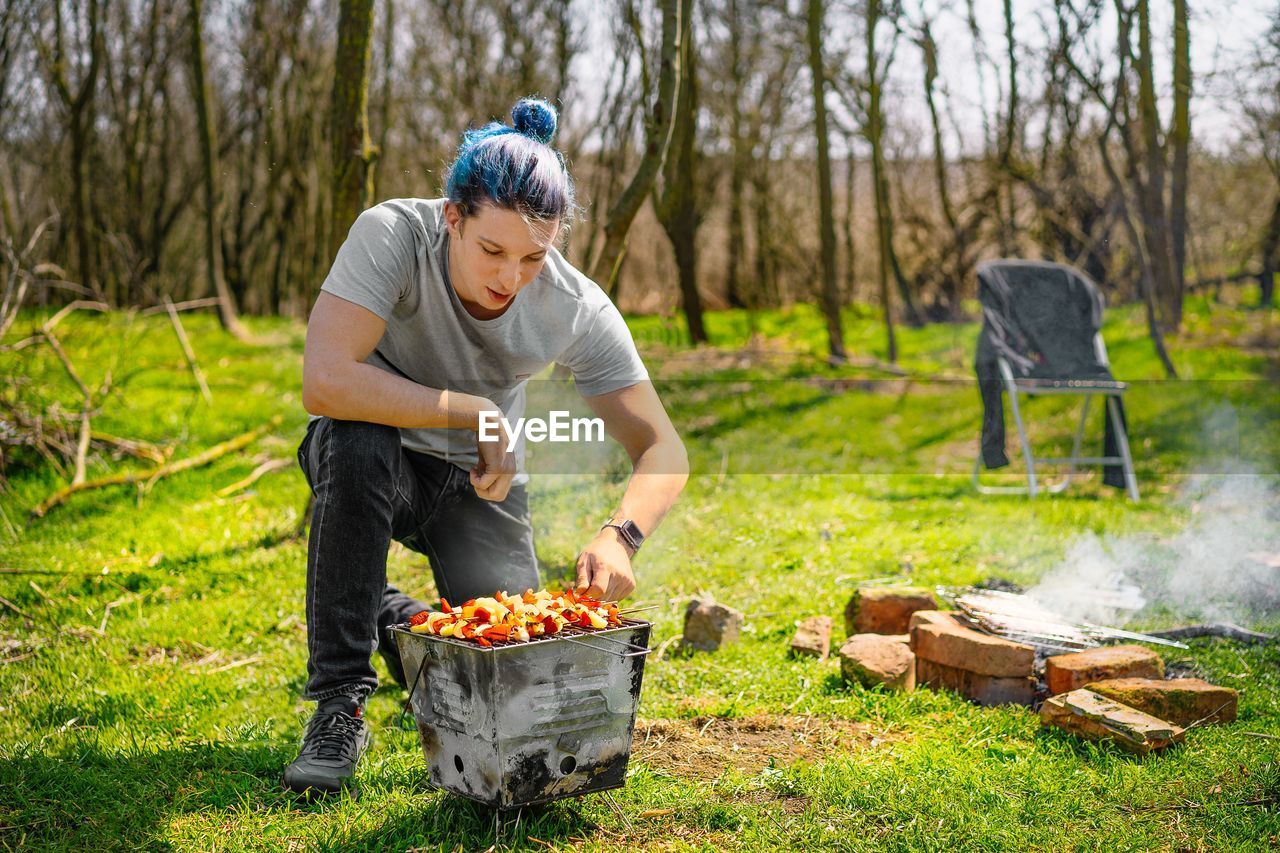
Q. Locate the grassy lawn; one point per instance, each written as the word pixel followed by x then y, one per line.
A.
pixel 154 647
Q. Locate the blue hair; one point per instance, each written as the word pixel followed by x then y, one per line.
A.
pixel 513 166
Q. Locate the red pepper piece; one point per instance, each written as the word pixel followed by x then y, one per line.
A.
pixel 419 618
pixel 444 605
pixel 483 615
pixel 550 624
pixel 482 641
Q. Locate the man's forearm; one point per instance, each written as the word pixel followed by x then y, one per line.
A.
pixel 657 478
pixel 362 392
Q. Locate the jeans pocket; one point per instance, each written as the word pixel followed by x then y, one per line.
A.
pixel 303 450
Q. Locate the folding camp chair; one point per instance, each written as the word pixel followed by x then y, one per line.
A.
pixel 1040 336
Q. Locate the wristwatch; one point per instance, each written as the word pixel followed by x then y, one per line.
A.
pixel 628 533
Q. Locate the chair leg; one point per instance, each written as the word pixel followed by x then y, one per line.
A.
pixel 1122 440
pixel 1075 445
pixel 1032 488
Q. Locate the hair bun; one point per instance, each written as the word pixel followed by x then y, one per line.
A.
pixel 535 118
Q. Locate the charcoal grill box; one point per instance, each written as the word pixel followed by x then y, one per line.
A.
pixel 525 723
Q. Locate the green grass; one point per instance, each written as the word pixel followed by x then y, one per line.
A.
pixel 150 689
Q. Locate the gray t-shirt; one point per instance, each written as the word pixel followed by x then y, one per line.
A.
pixel 394 262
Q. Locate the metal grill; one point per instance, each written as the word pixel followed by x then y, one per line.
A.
pixel 526 722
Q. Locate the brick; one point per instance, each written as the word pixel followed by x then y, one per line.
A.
pixel 885 610
pixel 1095 717
pixel 1181 701
pixel 872 659
pixel 941 638
pixel 708 625
pixel 986 690
pixel 813 638
pixel 1063 673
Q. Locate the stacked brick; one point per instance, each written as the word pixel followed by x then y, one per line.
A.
pixel 984 669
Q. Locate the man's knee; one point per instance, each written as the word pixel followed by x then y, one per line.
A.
pixel 356 454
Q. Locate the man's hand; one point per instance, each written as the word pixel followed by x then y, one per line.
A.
pixel 604 568
pixel 496 469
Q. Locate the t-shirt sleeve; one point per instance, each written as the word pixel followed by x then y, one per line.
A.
pixel 375 264
pixel 604 359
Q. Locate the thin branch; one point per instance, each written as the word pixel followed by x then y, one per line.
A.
pixel 188 351
pixel 218 450
pixel 257 474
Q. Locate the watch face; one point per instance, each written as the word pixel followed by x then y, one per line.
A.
pixel 633 533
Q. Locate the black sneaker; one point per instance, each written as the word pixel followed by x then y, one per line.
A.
pixel 334 740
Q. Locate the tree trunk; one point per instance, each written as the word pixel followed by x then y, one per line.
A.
pixel 1180 136
pixel 80 122
pixel 737 162
pixel 850 194
pixel 826 214
pixel 385 96
pixel 352 152
pixel 658 129
pixel 1270 256
pixel 1008 139
pixel 209 160
pixel 677 207
pixel 880 184
pixel 1145 280
pixel 1155 220
pixel 949 279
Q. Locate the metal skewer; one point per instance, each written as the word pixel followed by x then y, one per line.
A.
pixel 594 635
pixel 606 650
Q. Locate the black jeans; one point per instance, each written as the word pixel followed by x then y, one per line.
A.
pixel 369 490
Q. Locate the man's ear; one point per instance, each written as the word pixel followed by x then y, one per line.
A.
pixel 453 218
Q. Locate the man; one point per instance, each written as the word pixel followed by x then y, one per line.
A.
pixel 436 312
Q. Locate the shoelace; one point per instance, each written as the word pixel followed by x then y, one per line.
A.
pixel 333 736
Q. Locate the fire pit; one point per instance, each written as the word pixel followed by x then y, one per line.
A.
pixel 526 722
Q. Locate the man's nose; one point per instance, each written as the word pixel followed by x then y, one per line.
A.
pixel 511 274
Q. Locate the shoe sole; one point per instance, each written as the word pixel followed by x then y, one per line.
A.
pixel 313 794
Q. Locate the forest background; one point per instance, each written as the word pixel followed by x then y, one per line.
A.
pixel 728 153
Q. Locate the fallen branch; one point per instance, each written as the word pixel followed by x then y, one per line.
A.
pixel 134 447
pixel 257 474
pixel 208 302
pixel 218 450
pixel 187 350
pixel 87 304
pixel 1215 629
pixel 16 609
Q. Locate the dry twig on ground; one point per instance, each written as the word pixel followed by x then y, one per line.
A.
pixel 218 450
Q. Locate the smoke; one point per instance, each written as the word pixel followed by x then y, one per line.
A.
pixel 1223 566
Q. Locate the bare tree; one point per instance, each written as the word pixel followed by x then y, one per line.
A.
pixel 352 152
pixel 1180 139
pixel 1155 218
pixel 829 294
pixel 659 124
pixel 1258 92
pixel 209 158
pixel 77 100
pixel 676 203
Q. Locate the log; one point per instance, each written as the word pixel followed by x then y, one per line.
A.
pixel 1215 629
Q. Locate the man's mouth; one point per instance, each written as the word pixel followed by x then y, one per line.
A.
pixel 500 298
